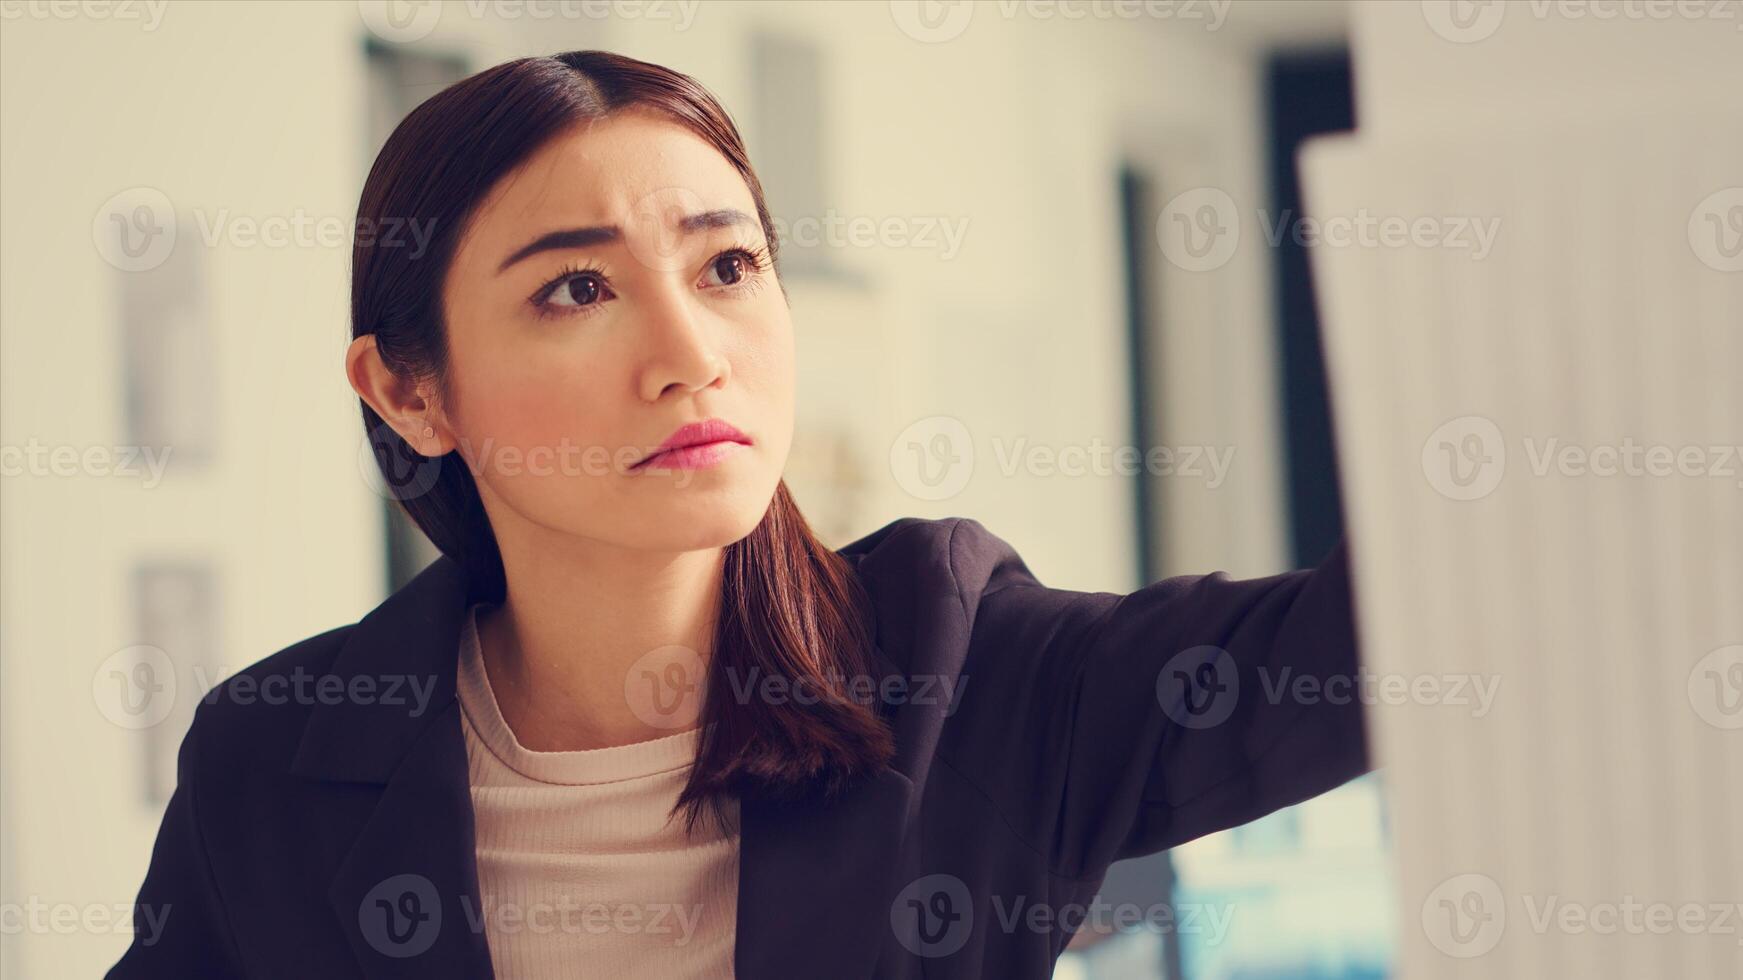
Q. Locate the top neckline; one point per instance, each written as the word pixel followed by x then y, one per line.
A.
pixel 578 767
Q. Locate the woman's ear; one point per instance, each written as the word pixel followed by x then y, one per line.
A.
pixel 409 408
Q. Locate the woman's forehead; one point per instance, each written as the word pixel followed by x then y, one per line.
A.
pixel 609 170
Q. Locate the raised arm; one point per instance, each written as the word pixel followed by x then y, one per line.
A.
pixel 1109 726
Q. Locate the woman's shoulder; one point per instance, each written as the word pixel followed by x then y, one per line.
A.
pixel 311 656
pixel 937 585
pixel 256 714
pixel 955 552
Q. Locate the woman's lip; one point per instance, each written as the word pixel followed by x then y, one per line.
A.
pixel 691 457
pixel 700 433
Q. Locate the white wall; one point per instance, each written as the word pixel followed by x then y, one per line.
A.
pixel 1597 601
pixel 258 117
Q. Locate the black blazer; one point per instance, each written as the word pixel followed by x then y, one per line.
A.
pixel 1043 734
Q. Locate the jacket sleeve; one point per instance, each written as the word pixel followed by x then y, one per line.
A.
pixel 180 926
pixel 1148 719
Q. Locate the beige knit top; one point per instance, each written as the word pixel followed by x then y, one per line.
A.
pixel 579 870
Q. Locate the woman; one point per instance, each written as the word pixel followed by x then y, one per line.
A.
pixel 876 752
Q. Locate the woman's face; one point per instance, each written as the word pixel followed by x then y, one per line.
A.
pixel 614 288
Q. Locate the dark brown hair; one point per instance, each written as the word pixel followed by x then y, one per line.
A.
pixel 790 608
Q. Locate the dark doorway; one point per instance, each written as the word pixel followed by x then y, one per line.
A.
pixel 1306 94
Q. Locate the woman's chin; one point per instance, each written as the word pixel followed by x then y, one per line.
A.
pixel 695 518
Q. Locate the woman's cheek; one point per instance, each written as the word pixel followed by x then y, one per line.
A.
pixel 537 432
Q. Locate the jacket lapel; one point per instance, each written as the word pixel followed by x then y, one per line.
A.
pixel 815 878
pixel 407 894
pixel 406 891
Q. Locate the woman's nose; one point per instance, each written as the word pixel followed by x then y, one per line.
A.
pixel 682 350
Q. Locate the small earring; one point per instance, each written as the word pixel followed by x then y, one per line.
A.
pixel 429 433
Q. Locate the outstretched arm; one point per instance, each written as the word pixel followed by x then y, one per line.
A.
pixel 1133 723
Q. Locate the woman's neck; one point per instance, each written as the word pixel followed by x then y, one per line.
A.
pixel 585 627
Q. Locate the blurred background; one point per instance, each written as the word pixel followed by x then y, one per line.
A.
pixel 1005 242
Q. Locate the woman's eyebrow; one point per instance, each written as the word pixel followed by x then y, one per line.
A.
pixel 599 234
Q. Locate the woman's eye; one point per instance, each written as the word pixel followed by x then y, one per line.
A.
pixel 584 290
pixel 728 269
